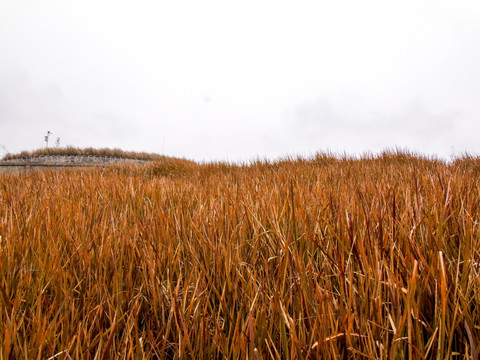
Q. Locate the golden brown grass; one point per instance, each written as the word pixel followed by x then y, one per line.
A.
pixel 321 258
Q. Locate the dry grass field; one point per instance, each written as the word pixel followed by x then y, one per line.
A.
pixel 373 258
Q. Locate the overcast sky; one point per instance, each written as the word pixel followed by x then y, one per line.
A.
pixel 237 80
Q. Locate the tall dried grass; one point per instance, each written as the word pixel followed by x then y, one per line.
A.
pixel 320 258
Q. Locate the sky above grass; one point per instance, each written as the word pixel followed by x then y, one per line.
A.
pixel 237 80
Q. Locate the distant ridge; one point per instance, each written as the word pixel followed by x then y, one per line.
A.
pixel 62 158
pixel 70 160
pixel 89 155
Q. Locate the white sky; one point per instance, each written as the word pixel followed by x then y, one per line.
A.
pixel 236 80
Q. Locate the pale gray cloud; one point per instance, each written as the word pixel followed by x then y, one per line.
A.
pixel 281 77
pixel 323 125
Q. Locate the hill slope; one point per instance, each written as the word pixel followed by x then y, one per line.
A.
pixel 87 152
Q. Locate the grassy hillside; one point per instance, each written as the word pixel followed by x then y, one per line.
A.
pixel 71 151
pixel 321 258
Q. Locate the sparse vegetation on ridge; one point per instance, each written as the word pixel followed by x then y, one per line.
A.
pixel 72 151
pixel 316 258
